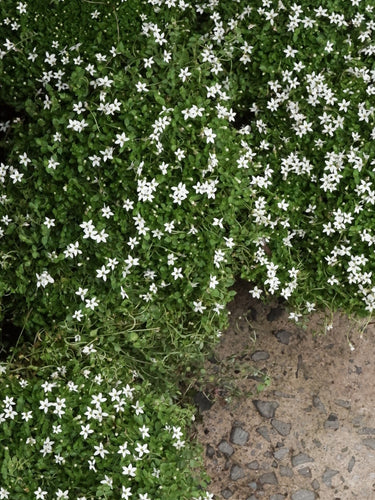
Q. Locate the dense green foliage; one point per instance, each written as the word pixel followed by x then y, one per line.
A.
pixel 160 149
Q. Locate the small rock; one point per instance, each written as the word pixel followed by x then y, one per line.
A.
pixel 315 484
pixel 369 442
pixel 303 495
pixel 343 403
pixel 305 472
pixel 236 473
pixel 260 356
pixel 254 465
pixel 227 493
pixel 300 459
pixel 210 451
pixel 266 408
pixel 202 401
pixel 281 453
pixel 253 485
pixel 366 430
pixel 351 464
pixel 328 475
pixel 239 436
pixel 268 478
pixel 277 497
pixel 263 431
pixel 318 404
pixel 358 370
pixel 282 427
pixel 285 471
pixel 251 497
pixel 226 448
pixel 332 422
pixel 283 336
pixel 275 314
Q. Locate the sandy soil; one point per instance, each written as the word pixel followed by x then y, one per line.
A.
pixel 318 438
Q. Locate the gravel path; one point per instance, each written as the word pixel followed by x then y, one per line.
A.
pixel 311 433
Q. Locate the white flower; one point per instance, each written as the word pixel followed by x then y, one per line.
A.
pixel 129 470
pixel 184 73
pixel 179 193
pixel 99 450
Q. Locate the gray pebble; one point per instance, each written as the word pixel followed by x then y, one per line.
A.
pixel 300 459
pixel 366 430
pixel 351 464
pixel 277 497
pixel 266 408
pixel 210 451
pixel 268 478
pixel 202 401
pixel 369 442
pixel 282 428
pixel 239 436
pixel 285 471
pixel 263 431
pixel 226 448
pixel 332 422
pixel 260 356
pixel 227 493
pixel 305 472
pixel 343 403
pixel 303 495
pixel 318 404
pixel 254 465
pixel 281 453
pixel 252 497
pixel 236 473
pixel 315 484
pixel 253 485
pixel 327 476
pixel 283 337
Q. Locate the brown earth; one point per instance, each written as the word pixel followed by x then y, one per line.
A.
pixel 315 435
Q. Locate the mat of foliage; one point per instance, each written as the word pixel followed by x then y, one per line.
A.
pixel 163 147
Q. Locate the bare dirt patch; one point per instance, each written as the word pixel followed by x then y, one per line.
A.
pixel 311 432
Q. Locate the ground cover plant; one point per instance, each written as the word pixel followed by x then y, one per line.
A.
pixel 161 148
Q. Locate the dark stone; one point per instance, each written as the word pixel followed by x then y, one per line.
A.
pixel 285 471
pixel 332 422
pixel 305 472
pixel 282 428
pixel 283 336
pixel 260 356
pixel 351 464
pixel 327 476
pixel 263 431
pixel 227 493
pixel 303 495
pixel 226 448
pixel 254 465
pixel 236 473
pixel 369 442
pixel 266 408
pixel 202 401
pixel 300 459
pixel 268 478
pixel 210 451
pixel 358 370
pixel 281 453
pixel 343 403
pixel 318 404
pixel 253 485
pixel 315 484
pixel 239 436
pixel 275 313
